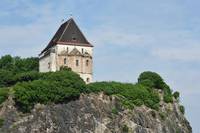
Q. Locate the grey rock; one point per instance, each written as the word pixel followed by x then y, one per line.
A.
pixel 92 113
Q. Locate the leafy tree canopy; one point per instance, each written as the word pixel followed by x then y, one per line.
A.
pixel 12 66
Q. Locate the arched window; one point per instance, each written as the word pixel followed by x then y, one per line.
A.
pixel 87 62
pixel 88 79
pixel 65 61
pixel 77 62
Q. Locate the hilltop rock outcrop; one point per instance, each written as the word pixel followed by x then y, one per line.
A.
pixel 94 113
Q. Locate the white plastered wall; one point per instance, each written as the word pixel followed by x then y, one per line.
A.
pixel 44 62
pixel 52 58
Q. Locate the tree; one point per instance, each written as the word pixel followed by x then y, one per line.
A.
pixel 27 64
pixel 6 62
pixel 153 78
pixel 176 95
pixel 6 78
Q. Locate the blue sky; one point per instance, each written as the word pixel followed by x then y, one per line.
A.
pixel 130 36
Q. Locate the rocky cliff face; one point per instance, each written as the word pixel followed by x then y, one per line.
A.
pixel 93 113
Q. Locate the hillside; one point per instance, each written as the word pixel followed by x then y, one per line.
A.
pixel 61 102
pixel 95 113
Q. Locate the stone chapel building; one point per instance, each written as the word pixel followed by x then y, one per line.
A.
pixel 70 48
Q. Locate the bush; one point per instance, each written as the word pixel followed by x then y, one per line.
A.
pixel 56 87
pixel 125 129
pixel 182 109
pixel 152 79
pixel 12 66
pixel 138 102
pixel 7 63
pixel 3 94
pixel 176 95
pixel 18 65
pixel 6 78
pixel 65 68
pixel 1 122
pixel 27 76
pixel 26 64
pixel 129 94
pixel 114 111
pixel 168 97
pixel 147 83
pixel 162 115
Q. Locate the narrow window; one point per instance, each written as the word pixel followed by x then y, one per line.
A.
pixel 77 63
pixel 65 61
pixel 82 50
pixel 87 62
pixel 88 80
pixel 67 49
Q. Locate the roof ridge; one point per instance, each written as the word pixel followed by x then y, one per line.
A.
pixel 81 32
pixel 68 33
pixel 65 28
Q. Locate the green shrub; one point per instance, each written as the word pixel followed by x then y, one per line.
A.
pixel 25 64
pixel 130 94
pixel 162 115
pixel 6 78
pixel 1 122
pixel 148 83
pixel 127 103
pixel 114 111
pixel 168 97
pixel 125 129
pixel 18 65
pixel 27 76
pixel 56 87
pixel 138 102
pixel 182 109
pixel 3 94
pixel 11 66
pixel 151 79
pixel 65 68
pixel 7 63
pixel 176 95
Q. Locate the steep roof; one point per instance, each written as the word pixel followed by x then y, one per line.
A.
pixel 68 33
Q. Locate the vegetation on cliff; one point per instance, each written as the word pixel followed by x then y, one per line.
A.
pixel 12 67
pixel 29 87
pixel 57 87
pixel 130 94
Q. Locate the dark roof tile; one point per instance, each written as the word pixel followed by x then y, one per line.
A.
pixel 68 33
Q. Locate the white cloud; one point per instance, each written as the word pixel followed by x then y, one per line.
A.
pixel 29 39
pixel 103 35
pixel 188 52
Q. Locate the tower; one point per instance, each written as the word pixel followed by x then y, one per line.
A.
pixel 69 48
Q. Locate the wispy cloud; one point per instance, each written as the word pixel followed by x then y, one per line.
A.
pixel 189 54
